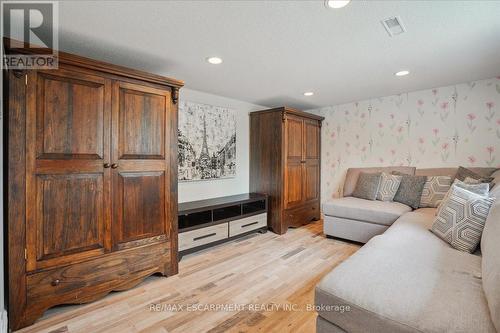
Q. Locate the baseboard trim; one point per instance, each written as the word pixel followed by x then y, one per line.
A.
pixel 3 322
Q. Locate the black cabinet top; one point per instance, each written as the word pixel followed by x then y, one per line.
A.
pixel 194 206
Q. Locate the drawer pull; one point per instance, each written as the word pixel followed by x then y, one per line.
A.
pixel 249 224
pixel 204 236
pixel 55 282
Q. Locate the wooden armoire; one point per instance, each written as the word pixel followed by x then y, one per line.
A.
pixel 285 153
pixel 92 182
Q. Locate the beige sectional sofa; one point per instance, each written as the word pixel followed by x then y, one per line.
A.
pixel 407 279
pixel 359 219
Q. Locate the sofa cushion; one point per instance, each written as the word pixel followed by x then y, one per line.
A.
pixel 461 219
pixel 464 173
pixel 435 189
pixel 452 172
pixel 490 248
pixel 407 280
pixel 378 212
pixel 367 186
pixel 352 175
pixel 496 179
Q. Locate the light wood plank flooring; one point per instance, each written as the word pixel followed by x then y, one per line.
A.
pixel 274 274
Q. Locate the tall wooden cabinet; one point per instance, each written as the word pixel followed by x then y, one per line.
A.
pixel 92 183
pixel 285 152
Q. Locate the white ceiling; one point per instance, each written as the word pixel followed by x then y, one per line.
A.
pixel 273 51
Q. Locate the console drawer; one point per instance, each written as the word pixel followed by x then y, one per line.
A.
pixel 194 238
pixel 247 224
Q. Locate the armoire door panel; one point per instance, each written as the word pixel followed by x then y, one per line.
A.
pixel 311 180
pixel 294 137
pixel 68 122
pixel 141 128
pixel 139 205
pixel 293 184
pixel 312 139
pixel 141 176
pixel 69 214
pixel 70 116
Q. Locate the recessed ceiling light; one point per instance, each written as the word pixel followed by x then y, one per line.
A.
pixel 336 4
pixel 308 93
pixel 214 60
pixel 402 73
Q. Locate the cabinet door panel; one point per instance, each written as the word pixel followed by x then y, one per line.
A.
pixel 294 137
pixel 70 117
pixel 311 180
pixel 140 210
pixel 69 214
pixel 142 119
pixel 67 143
pixel 293 184
pixel 141 178
pixel 312 159
pixel 312 139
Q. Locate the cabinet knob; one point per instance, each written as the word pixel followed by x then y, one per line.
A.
pixel 55 282
pixel 114 166
pixel 107 165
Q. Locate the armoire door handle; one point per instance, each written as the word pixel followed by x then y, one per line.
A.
pixel 114 166
pixel 107 165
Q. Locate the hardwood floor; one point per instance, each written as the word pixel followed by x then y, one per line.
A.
pixel 273 275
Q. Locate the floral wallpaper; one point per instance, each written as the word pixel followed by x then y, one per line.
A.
pixel 447 126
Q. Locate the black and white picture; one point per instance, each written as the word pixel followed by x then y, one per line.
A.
pixel 207 142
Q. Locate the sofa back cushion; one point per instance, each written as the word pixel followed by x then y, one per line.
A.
pixel 452 172
pixel 490 248
pixel 353 175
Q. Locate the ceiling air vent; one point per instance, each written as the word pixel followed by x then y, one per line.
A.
pixel 393 26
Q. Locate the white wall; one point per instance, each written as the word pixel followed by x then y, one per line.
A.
pixel 199 190
pixel 440 127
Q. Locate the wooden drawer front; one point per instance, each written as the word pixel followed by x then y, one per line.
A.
pixel 190 239
pixel 302 215
pixel 247 224
pixel 89 280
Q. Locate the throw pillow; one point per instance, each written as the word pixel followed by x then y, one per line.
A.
pixel 469 180
pixel 461 220
pixel 482 189
pixel 435 189
pixel 389 185
pixel 367 186
pixel 410 190
pixel 463 173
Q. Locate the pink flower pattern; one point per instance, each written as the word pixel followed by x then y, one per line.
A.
pixel 462 128
pixel 470 122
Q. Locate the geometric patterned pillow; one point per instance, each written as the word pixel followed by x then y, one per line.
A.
pixel 389 186
pixel 461 219
pixel 435 189
pixel 483 189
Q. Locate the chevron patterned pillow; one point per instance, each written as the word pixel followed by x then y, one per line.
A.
pixel 389 186
pixel 435 189
pixel 461 219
